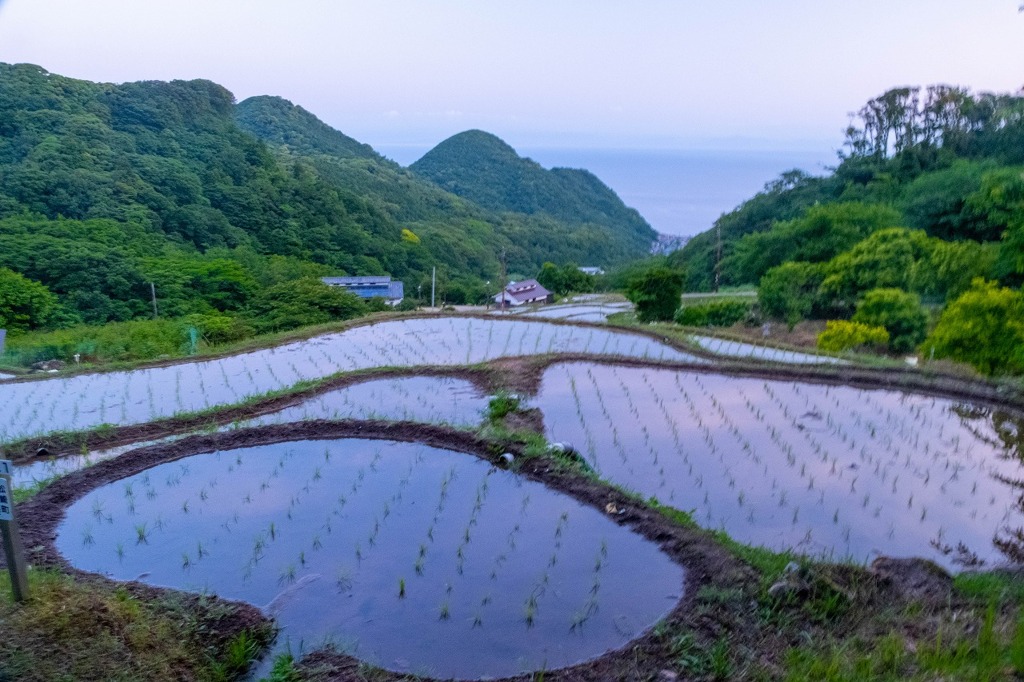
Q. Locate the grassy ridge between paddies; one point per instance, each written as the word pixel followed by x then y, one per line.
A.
pixel 84 629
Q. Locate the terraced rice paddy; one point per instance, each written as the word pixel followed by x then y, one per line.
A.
pixel 414 558
pixel 431 400
pixel 738 349
pixel 144 395
pixel 825 470
pixel 577 312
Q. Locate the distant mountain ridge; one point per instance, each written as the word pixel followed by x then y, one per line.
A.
pixel 276 120
pixel 177 171
pixel 482 168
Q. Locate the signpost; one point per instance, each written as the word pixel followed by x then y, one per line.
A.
pixel 13 551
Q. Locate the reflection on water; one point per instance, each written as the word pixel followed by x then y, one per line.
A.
pixel 415 558
pixel 826 470
pixel 143 395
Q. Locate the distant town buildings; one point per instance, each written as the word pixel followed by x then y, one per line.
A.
pixel 392 291
pixel 593 272
pixel 523 293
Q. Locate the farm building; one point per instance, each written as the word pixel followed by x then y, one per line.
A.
pixel 392 291
pixel 522 293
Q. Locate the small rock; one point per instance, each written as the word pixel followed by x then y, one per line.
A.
pixel 668 676
pixel 782 589
pixel 917 579
pixel 49 365
pixel 611 508
pixel 792 568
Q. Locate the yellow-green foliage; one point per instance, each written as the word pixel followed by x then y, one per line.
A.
pixel 842 335
pixel 984 327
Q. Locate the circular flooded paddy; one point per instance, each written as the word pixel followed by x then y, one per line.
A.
pixel 410 557
pixel 829 471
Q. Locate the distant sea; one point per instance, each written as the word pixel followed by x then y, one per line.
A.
pixel 679 192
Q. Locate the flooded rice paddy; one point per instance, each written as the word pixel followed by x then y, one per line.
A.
pixel 738 349
pixel 413 558
pixel 143 395
pixel 825 470
pixel 577 312
pixel 427 399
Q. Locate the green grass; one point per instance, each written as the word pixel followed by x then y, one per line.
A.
pixel 502 405
pixel 953 652
pixel 987 588
pixel 71 631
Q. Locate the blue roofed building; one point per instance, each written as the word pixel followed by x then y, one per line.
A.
pixel 392 291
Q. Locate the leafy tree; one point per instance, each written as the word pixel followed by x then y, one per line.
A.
pixel 564 279
pixel 790 291
pixel 944 202
pixel 302 302
pixel 899 312
pixel 656 294
pixel 24 304
pixel 843 335
pixel 1011 253
pixel 887 259
pixel 785 198
pixel 821 233
pixel 984 328
pixel 998 203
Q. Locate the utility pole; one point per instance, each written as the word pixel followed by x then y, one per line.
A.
pixel 152 291
pixel 504 280
pixel 718 255
pixel 433 285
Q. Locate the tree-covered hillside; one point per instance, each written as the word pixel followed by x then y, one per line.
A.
pixel 482 168
pixel 107 188
pixel 926 205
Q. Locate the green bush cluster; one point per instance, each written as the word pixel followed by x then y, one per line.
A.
pixel 282 307
pixel 898 312
pixel 714 313
pixel 843 335
pixel 984 327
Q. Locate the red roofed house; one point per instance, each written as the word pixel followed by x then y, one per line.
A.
pixel 522 293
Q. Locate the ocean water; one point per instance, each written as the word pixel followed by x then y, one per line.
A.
pixel 678 191
pixel 683 192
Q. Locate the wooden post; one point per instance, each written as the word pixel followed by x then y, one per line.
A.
pixel 14 553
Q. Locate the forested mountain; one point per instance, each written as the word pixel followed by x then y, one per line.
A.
pixel 480 167
pixel 925 205
pixel 105 188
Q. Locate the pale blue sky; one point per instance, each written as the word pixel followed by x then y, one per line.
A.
pixel 608 73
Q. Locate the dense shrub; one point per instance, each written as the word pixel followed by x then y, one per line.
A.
pixel 115 341
pixel 713 313
pixel 216 328
pixel 302 302
pixel 843 335
pixel 984 327
pixel 899 312
pixel 24 304
pixel 790 291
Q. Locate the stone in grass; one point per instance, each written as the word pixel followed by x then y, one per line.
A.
pixel 916 579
